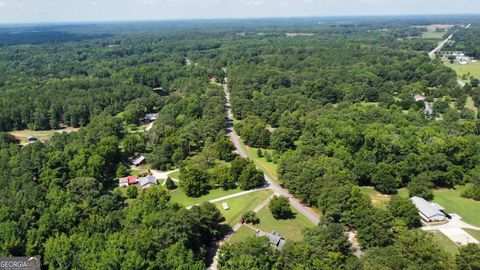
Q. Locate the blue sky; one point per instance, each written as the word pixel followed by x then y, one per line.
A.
pixel 25 11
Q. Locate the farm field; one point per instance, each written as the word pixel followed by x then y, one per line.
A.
pixel 240 205
pixel 290 229
pixel 178 196
pixel 42 135
pixel 472 69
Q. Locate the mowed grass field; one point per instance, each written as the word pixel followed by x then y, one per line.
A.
pixel 240 205
pixel 445 242
pixel 472 69
pixel 290 229
pixel 43 135
pixel 269 168
pixel 468 209
pixel 243 233
pixel 433 34
pixel 378 199
pixel 179 196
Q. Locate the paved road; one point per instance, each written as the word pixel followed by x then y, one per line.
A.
pixel 308 212
pixel 439 47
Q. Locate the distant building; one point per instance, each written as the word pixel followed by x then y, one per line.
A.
pixel 139 161
pixel 429 212
pixel 32 139
pixel 274 238
pixel 146 182
pixel 463 60
pixel 151 116
pixel 428 109
pixel 418 97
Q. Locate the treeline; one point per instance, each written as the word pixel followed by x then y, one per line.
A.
pixel 466 40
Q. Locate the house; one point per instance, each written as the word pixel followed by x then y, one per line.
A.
pixel 463 60
pixel 151 116
pixel 132 180
pixel 418 97
pixel 146 182
pixel 123 182
pixel 274 238
pixel 139 161
pixel 429 212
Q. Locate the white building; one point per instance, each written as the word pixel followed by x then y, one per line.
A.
pixel 429 212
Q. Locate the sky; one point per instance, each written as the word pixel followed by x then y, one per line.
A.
pixel 31 11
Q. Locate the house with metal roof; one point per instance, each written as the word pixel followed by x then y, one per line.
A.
pixel 148 181
pixel 274 238
pixel 139 161
pixel 429 212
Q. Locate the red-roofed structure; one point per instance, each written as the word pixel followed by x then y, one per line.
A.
pixel 132 180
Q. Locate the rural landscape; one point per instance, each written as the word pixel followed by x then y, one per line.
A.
pixel 349 142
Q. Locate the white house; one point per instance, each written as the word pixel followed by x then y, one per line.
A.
pixel 429 212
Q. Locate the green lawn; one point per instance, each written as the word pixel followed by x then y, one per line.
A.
pixel 378 199
pixel 243 233
pixel 471 68
pixel 269 168
pixel 180 197
pixel 175 175
pixel 42 135
pixel 468 209
pixel 240 205
pixel 433 34
pixel 470 104
pixel 474 233
pixel 291 229
pixel 445 243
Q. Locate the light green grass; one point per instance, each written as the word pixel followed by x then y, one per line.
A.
pixel 269 168
pixel 443 241
pixel 468 209
pixel 240 205
pixel 178 196
pixel 175 175
pixel 144 168
pixel 43 135
pixel 433 34
pixel 470 69
pixel 243 233
pixel 470 104
pixel 378 199
pixel 403 192
pixel 474 233
pixel 291 229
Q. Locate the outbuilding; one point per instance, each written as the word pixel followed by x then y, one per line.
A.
pixel 429 212
pixel 148 181
pixel 139 161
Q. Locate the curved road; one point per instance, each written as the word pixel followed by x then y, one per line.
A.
pixel 308 212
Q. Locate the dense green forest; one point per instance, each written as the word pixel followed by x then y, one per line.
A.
pixel 335 109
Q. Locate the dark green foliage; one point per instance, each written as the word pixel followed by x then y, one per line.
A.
pixel 468 257
pixel 250 178
pixel 169 184
pixel 403 209
pixel 254 253
pixel 132 192
pixel 421 187
pixel 194 181
pixel 259 153
pixel 223 178
pixel 283 139
pixel 250 218
pixel 280 208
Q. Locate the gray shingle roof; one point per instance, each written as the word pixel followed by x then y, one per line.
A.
pixel 147 180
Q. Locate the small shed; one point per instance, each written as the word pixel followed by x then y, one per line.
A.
pixel 139 161
pixel 151 116
pixel 32 139
pixel 274 238
pixel 123 182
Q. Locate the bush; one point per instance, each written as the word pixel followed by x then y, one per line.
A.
pixel 280 208
pixel 122 171
pixel 169 184
pixel 132 192
pixel 251 218
pixel 259 153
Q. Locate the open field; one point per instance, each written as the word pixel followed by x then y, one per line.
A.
pixel 243 233
pixel 470 104
pixel 175 175
pixel 291 229
pixel 378 199
pixel 433 34
pixel 474 233
pixel 470 69
pixel 445 243
pixel 43 135
pixel 468 209
pixel 240 205
pixel 180 197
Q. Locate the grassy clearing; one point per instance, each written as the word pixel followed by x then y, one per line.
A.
pixel 240 205
pixel 445 243
pixel 470 104
pixel 468 209
pixel 178 196
pixel 474 233
pixel 269 168
pixel 175 175
pixel 43 135
pixel 470 69
pixel 243 233
pixel 378 199
pixel 291 229
pixel 433 34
